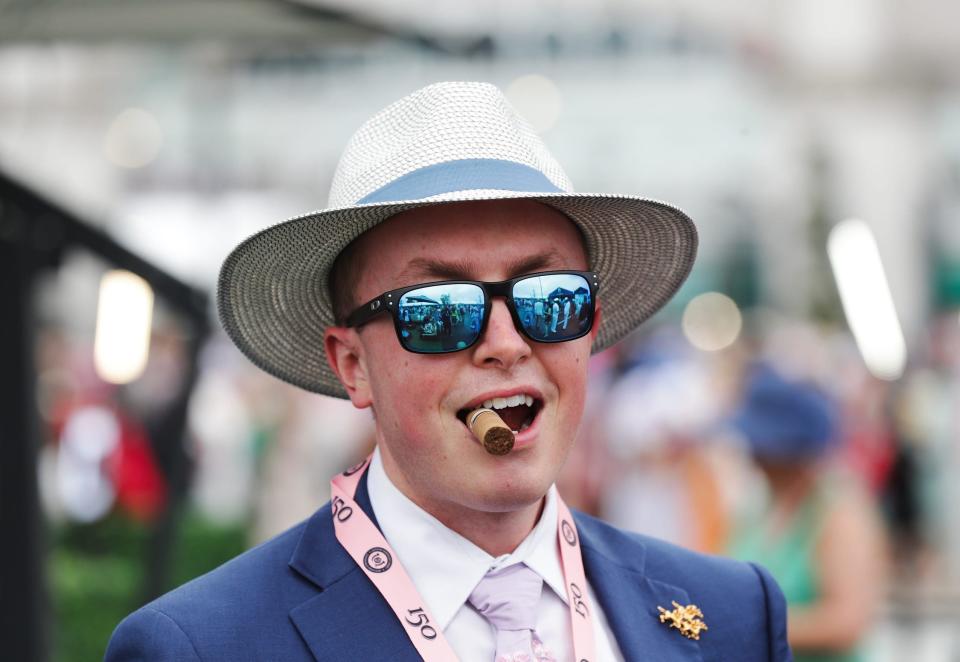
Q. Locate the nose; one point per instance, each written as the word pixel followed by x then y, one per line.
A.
pixel 502 345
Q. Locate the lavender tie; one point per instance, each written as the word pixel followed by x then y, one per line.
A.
pixel 508 599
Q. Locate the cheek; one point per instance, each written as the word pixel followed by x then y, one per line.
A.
pixel 407 389
pixel 567 364
pixel 573 404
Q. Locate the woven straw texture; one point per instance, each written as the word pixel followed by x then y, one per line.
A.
pixel 440 123
pixel 273 298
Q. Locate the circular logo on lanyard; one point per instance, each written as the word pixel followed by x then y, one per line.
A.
pixel 377 559
pixel 355 468
pixel 568 533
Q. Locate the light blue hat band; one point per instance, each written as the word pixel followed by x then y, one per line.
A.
pixel 463 175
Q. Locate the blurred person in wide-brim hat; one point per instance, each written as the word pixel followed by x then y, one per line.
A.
pixel 415 295
pixel 819 534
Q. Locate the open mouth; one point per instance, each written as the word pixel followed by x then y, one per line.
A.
pixel 517 411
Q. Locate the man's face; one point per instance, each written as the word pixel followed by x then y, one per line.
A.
pixel 419 400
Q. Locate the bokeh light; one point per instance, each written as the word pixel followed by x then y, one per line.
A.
pixel 124 317
pixel 537 99
pixel 712 321
pixel 133 139
pixel 90 436
pixel 867 302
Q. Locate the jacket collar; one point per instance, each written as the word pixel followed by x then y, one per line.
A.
pixel 319 557
pixel 349 617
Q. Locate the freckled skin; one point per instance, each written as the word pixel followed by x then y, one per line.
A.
pixel 428 453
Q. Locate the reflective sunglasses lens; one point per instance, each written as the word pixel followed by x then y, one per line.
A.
pixel 440 318
pixel 554 307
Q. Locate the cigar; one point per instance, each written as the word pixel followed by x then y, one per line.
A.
pixel 489 428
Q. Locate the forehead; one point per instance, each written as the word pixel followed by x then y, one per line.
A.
pixel 476 240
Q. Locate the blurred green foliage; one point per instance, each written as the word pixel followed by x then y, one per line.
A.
pixel 96 575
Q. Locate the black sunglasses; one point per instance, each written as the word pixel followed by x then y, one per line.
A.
pixel 448 316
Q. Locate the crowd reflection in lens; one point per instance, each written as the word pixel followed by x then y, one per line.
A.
pixel 443 318
pixel 553 307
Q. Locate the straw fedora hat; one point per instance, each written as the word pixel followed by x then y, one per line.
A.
pixel 444 143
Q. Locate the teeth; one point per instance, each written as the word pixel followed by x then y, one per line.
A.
pixel 512 401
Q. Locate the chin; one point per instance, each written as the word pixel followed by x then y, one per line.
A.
pixel 509 494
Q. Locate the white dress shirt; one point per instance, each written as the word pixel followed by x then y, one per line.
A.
pixel 446 567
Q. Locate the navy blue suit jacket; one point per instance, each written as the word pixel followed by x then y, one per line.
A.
pixel 301 597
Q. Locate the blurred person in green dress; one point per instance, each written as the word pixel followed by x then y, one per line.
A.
pixel 819 534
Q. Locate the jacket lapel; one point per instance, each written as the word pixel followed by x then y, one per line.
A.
pixel 348 619
pixel 614 565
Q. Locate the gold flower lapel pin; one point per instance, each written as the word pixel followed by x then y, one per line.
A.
pixel 686 619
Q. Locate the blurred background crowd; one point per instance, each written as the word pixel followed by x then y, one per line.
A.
pixel 797 404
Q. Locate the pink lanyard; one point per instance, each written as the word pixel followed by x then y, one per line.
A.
pixel 370 550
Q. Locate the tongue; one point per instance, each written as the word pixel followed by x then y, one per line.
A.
pixel 514 416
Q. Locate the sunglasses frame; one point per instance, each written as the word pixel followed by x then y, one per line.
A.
pixel 504 288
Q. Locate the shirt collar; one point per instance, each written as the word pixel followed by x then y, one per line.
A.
pixel 445 566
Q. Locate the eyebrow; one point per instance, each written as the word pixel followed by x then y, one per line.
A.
pixel 463 270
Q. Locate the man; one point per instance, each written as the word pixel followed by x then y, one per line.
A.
pixel 435 548
pixel 538 312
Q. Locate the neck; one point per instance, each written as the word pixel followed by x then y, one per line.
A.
pixel 496 533
pixel 790 486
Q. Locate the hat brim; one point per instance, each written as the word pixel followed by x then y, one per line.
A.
pixel 274 303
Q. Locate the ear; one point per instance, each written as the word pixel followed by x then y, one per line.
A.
pixel 346 359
